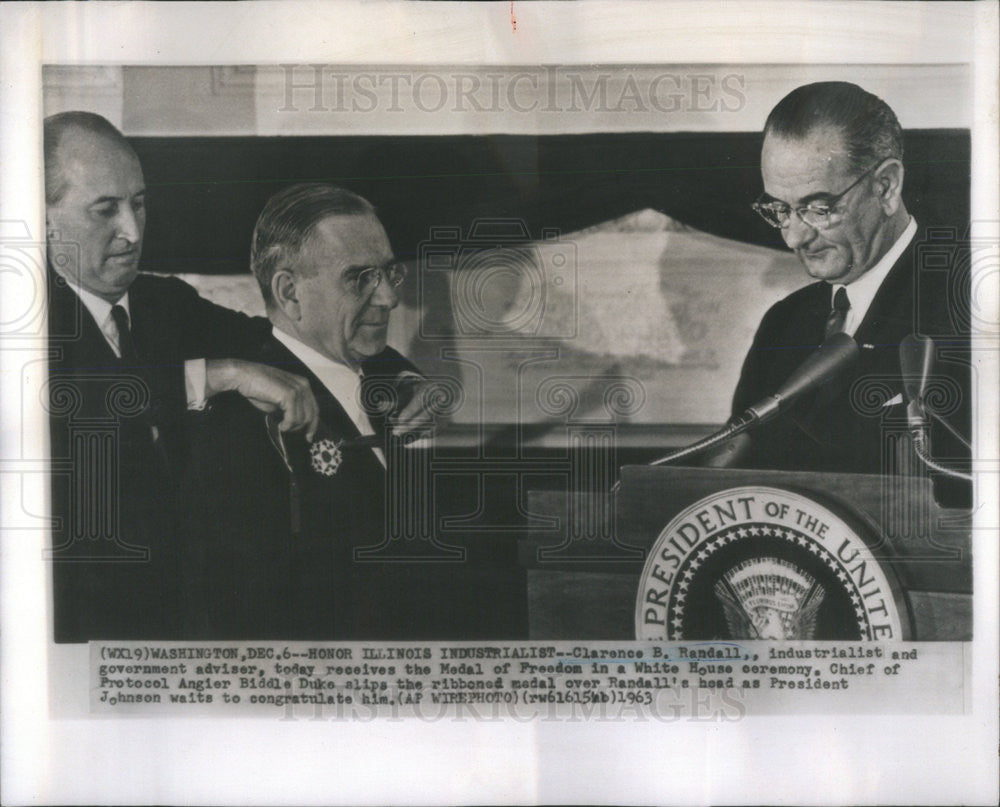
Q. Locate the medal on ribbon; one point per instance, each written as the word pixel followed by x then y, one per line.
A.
pixel 325 456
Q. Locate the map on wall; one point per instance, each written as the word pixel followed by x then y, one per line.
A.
pixel 641 304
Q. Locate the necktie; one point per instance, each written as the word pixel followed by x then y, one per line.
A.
pixel 810 419
pixel 838 314
pixel 130 359
pixel 125 343
pixel 371 421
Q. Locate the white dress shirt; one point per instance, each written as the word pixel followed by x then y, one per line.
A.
pixel 342 381
pixel 862 291
pixel 100 309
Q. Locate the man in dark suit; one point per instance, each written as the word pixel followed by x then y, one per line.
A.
pixel 279 557
pixel 130 355
pixel 833 180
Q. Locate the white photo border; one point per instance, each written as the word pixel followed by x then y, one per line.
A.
pixel 913 759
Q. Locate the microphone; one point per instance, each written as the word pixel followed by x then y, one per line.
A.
pixel 916 359
pixel 834 356
pixel 830 359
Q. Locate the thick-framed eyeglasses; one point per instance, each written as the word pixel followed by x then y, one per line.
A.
pixel 369 278
pixel 818 215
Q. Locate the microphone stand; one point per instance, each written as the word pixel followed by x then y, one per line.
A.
pixel 922 450
pixel 734 427
pixel 827 360
pixel 916 357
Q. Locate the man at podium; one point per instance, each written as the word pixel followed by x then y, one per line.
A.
pixel 833 174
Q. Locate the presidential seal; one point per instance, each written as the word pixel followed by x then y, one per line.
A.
pixel 325 456
pixel 764 563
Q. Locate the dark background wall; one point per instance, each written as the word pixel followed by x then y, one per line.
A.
pixel 206 192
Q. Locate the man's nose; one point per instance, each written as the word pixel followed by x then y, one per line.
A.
pixel 129 225
pixel 796 232
pixel 385 295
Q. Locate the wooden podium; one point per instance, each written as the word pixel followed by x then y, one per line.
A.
pixel 585 559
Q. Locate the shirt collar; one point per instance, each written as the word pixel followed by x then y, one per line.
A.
pixel 99 308
pixel 863 290
pixel 342 381
pixel 312 358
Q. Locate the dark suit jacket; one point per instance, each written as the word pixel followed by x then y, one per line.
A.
pixel 118 441
pixel 843 426
pixel 260 571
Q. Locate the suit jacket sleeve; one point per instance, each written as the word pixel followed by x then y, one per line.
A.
pixel 174 324
pixel 201 329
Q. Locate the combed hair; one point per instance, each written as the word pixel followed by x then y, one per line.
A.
pixel 870 128
pixel 54 128
pixel 288 219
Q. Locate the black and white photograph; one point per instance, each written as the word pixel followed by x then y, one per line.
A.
pixel 505 402
pixel 428 446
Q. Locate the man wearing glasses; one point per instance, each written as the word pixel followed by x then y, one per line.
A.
pixel 833 174
pixel 278 516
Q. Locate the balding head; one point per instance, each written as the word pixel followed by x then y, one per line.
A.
pixel 55 127
pixel 95 203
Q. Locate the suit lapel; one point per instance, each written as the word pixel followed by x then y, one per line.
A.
pixel 336 423
pixel 330 411
pixel 888 319
pixel 74 332
pixel 816 313
pixel 891 316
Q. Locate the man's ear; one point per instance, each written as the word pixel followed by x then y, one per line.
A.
pixel 285 294
pixel 889 186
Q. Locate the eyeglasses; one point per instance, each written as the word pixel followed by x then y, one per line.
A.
pixel 818 215
pixel 369 278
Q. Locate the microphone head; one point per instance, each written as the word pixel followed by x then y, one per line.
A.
pixel 834 356
pixel 916 359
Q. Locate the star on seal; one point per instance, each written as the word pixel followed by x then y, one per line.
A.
pixel 325 456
